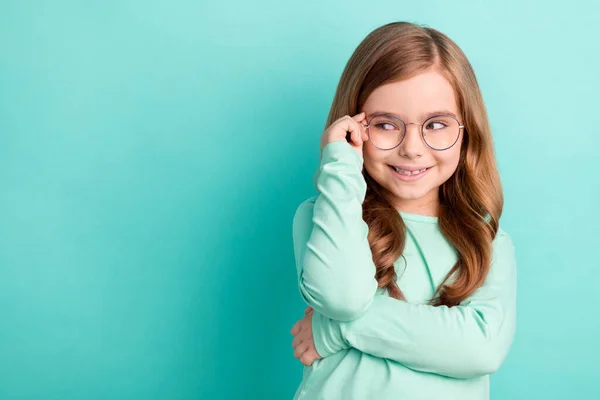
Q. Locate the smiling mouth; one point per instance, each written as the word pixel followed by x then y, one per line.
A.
pixel 409 173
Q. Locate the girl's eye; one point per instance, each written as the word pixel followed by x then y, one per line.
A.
pixel 386 126
pixel 436 125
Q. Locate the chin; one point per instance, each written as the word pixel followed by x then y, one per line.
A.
pixel 410 195
pixel 405 192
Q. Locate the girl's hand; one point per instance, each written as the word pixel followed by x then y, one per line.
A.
pixel 303 343
pixel 339 129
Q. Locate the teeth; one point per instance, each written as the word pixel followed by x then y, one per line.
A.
pixel 404 172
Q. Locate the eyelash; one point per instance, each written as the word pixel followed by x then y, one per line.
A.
pixel 432 122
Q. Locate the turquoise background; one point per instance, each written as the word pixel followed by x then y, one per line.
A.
pixel 152 154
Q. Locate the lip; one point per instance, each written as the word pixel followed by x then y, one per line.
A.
pixel 410 168
pixel 407 178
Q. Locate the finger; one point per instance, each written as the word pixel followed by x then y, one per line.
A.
pixel 297 340
pixel 295 328
pixel 308 309
pixel 307 359
pixel 301 349
pixel 359 117
pixel 354 131
pixel 362 122
pixel 364 131
pixel 313 351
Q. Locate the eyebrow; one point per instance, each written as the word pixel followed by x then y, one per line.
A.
pixel 423 116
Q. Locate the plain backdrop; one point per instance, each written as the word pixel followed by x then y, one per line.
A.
pixel 153 153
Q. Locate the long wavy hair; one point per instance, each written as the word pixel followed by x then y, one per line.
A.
pixel 471 200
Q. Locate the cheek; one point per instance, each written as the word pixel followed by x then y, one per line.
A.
pixel 373 157
pixel 369 151
pixel 375 170
pixel 448 162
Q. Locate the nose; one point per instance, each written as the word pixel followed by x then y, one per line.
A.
pixel 412 145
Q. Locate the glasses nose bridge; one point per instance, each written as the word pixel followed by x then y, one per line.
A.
pixel 420 125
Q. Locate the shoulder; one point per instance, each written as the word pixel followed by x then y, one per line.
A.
pixel 503 255
pixel 503 240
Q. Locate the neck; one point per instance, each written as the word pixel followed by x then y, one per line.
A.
pixel 427 205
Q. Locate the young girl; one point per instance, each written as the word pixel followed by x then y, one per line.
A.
pixel 409 280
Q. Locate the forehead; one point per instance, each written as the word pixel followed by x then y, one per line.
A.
pixel 414 98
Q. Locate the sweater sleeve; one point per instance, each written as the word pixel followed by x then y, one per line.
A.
pixel 334 263
pixel 465 341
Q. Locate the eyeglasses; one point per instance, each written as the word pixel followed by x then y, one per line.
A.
pixel 386 131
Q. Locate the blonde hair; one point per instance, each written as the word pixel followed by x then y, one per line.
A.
pixel 471 200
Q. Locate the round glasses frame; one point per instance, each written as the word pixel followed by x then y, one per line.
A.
pixel 413 123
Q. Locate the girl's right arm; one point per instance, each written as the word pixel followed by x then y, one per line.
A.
pixel 336 273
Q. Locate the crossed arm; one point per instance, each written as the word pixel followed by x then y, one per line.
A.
pixel 336 278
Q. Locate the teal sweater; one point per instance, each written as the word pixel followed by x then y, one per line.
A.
pixel 377 347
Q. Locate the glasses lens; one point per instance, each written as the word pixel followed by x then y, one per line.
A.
pixel 441 132
pixel 386 132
